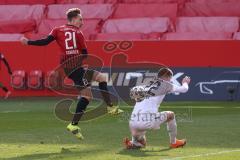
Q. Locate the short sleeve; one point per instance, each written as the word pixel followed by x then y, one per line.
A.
pixel 54 32
pixel 180 89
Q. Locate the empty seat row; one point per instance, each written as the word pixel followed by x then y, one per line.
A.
pixel 103 11
pixel 21 12
pixel 210 9
pixel 91 26
pixel 214 1
pixel 36 80
pixel 197 36
pixel 183 24
pixel 207 24
pixel 19 79
pixel 141 25
pixel 171 10
pixel 30 2
pixel 149 25
pixel 89 11
pixel 141 36
pixel 130 25
pixel 167 36
pixel 125 36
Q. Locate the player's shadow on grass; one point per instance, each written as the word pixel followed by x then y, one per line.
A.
pixel 64 153
pixel 144 152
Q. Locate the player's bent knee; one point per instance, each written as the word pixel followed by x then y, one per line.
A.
pixel 170 116
pixel 103 78
pixel 89 98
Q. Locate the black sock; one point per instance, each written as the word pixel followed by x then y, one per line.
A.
pixel 5 89
pixel 81 106
pixel 104 91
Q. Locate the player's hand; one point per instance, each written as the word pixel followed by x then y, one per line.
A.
pixel 24 41
pixel 186 80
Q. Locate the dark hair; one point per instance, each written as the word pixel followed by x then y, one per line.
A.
pixel 73 12
pixel 165 72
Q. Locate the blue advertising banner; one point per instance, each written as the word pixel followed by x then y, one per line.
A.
pixel 207 83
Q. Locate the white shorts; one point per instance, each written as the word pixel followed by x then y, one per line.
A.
pixel 146 121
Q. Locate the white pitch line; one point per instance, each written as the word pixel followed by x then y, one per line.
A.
pixel 202 155
pixel 14 111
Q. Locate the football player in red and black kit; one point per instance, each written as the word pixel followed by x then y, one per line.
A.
pixel 71 41
pixel 2 58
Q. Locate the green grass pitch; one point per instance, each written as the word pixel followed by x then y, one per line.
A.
pixel 30 131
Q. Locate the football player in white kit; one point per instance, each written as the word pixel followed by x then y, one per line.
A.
pixel 145 115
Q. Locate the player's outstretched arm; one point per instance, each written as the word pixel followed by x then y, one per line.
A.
pixel 6 64
pixel 184 87
pixel 40 42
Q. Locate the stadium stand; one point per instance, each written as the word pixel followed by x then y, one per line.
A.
pixel 236 36
pixel 20 18
pixel 150 1
pixel 91 26
pixel 145 10
pixel 89 11
pixel 207 24
pixel 30 2
pixel 17 26
pixel 214 1
pixel 94 1
pixel 10 37
pixel 211 9
pixel 137 25
pixel 126 36
pixel 124 19
pixel 197 36
pixel 21 12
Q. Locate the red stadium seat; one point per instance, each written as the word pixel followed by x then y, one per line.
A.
pixel 17 26
pixel 93 1
pixel 31 2
pixel 118 36
pixel 137 25
pixel 149 1
pixel 236 36
pixel 35 79
pixel 214 1
pixel 89 11
pixel 89 27
pixel 65 1
pixel 52 80
pixel 145 10
pixel 18 79
pixel 197 36
pixel 207 24
pixel 10 37
pixel 126 36
pixel 21 12
pixel 211 9
pixel 103 1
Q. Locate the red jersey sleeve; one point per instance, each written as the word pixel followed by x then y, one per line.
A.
pixel 54 33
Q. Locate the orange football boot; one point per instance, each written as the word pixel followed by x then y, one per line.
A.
pixel 179 143
pixel 129 145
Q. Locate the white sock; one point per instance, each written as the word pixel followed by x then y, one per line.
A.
pixel 135 140
pixel 172 130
